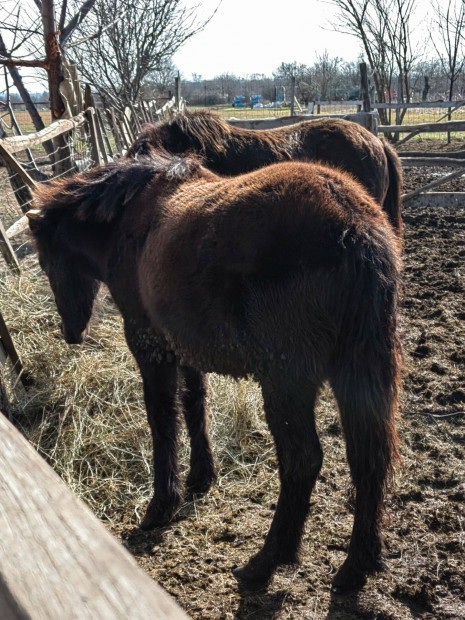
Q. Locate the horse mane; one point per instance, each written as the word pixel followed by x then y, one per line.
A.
pixel 208 136
pixel 209 129
pixel 98 194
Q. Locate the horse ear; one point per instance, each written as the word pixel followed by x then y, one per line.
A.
pixel 34 216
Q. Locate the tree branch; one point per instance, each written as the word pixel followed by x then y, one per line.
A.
pixel 75 21
pixel 12 62
pixel 99 32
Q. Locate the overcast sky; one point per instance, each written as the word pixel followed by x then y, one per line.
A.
pixel 256 36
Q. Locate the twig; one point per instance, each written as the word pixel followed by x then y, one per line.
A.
pixel 441 415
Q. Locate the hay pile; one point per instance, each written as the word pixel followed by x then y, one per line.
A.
pixel 85 412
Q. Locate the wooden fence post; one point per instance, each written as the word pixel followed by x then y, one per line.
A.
pixel 364 90
pixel 94 145
pixel 177 91
pixel 7 251
pixel 102 132
pixel 115 129
pixel 293 95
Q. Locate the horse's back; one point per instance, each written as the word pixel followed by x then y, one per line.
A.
pixel 236 262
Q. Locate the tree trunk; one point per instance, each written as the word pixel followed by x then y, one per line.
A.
pixel 19 84
pixel 53 57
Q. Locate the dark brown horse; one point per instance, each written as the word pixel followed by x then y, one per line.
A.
pixel 229 150
pixel 289 274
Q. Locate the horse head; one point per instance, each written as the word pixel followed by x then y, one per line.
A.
pixel 73 287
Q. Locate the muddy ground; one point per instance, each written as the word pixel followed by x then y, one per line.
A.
pixel 425 539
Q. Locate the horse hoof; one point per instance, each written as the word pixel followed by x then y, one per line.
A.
pixel 251 579
pixel 200 484
pixel 158 516
pixel 350 578
pixel 345 585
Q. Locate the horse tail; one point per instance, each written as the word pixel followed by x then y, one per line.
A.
pixel 392 203
pixel 100 193
pixel 365 371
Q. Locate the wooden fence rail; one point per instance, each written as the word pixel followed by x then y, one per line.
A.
pixel 447 126
pixel 57 561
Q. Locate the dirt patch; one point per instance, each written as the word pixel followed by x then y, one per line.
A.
pixel 425 542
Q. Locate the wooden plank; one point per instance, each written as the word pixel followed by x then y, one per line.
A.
pixel 4 402
pixel 94 145
pixel 16 144
pixel 9 347
pixel 18 227
pixel 424 127
pixel 419 105
pixel 100 123
pixel 7 251
pixel 431 154
pixel 396 106
pixel 435 183
pixel 115 129
pixel 149 107
pixel 127 130
pixel 439 199
pixel 166 110
pixel 269 123
pixel 362 118
pixel 135 124
pixel 58 561
pixel 100 142
pixel 15 165
pixel 126 143
pixel 420 162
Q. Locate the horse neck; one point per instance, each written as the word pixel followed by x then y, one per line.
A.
pixel 89 244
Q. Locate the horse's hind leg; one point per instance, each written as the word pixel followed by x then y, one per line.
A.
pixel 369 429
pixel 202 469
pixel 290 416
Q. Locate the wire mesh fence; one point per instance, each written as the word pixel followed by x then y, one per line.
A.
pixel 43 163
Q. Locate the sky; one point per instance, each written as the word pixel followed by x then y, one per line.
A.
pixel 253 36
pixel 248 37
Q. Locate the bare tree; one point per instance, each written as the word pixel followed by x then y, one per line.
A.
pixel 325 71
pixel 159 81
pixel 449 45
pixel 383 28
pixel 302 75
pixel 127 40
pixel 37 40
pixel 400 42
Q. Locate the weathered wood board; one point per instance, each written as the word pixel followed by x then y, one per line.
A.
pixel 57 561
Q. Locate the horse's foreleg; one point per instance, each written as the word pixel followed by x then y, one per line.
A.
pixel 159 372
pixel 160 388
pixel 202 469
pixel 290 417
